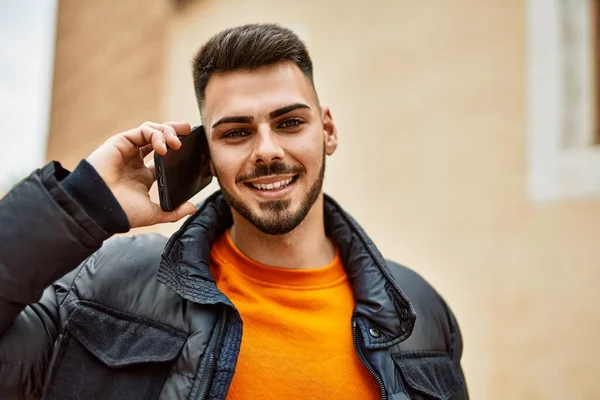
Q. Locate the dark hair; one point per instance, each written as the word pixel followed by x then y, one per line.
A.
pixel 248 47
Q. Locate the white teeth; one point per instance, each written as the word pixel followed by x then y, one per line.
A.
pixel 271 186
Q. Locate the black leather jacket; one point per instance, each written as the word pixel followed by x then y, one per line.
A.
pixel 142 318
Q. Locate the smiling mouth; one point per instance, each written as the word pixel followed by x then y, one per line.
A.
pixel 278 185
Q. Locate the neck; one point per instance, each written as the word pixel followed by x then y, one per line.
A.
pixel 305 247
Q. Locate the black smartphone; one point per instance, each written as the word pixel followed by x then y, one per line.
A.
pixel 183 173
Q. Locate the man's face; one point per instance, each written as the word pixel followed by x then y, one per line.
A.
pixel 268 139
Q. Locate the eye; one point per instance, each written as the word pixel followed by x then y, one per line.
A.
pixel 291 123
pixel 235 134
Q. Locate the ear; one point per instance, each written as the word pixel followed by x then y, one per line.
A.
pixel 329 131
pixel 212 169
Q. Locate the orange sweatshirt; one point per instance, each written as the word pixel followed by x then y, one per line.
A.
pixel 297 339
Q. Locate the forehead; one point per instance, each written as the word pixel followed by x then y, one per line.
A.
pixel 255 92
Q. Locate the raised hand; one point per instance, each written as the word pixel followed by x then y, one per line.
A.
pixel 120 163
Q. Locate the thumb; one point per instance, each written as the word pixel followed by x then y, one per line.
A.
pixel 183 210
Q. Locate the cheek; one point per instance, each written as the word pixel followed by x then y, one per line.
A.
pixel 305 145
pixel 226 168
pixel 310 153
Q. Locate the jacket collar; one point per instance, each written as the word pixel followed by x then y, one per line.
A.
pixel 379 302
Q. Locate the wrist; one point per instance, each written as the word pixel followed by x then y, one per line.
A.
pixel 88 188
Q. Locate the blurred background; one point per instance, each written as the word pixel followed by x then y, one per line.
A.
pixel 468 132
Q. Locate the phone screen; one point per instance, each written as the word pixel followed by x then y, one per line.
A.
pixel 183 173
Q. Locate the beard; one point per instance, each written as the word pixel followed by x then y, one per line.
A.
pixel 279 219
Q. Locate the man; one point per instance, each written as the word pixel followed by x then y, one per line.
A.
pixel 270 290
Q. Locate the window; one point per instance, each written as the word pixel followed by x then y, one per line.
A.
pixel 563 83
pixel 27 48
pixel 595 18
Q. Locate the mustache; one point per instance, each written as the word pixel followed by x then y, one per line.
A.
pixel 275 168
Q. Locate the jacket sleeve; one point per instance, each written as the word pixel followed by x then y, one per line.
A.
pixel 44 234
pixel 456 349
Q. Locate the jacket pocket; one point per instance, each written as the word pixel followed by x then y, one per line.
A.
pixel 107 354
pixel 428 375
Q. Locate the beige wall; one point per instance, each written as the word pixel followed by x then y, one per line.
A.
pixel 429 101
pixel 108 72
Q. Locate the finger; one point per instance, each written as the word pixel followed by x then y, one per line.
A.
pixel 152 168
pixel 158 140
pixel 143 135
pixel 182 211
pixel 170 135
pixel 181 128
pixel 147 149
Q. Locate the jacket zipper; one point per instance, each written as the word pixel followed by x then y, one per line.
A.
pixel 212 361
pixel 364 361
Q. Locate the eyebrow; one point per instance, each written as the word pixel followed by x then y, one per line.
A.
pixel 234 120
pixel 246 119
pixel 284 110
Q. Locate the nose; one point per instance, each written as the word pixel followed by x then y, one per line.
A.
pixel 266 147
